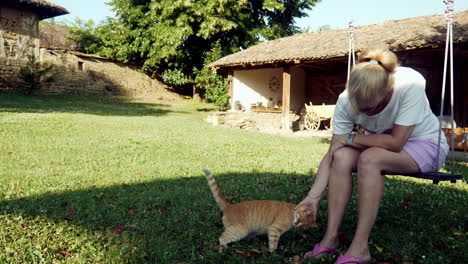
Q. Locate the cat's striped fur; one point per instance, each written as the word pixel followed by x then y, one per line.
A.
pixel 260 217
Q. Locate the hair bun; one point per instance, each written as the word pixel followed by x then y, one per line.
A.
pixel 383 57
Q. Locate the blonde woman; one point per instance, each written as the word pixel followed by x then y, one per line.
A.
pixel 390 103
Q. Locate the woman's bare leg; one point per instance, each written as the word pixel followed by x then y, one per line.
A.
pixel 340 187
pixel 371 163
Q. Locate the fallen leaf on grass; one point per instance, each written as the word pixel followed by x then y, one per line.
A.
pixel 133 210
pixel 164 211
pixel 64 253
pixel 246 254
pixel 10 153
pixel 218 248
pixel 118 230
pixel 241 253
pixel 71 211
pixel 387 261
pixel 437 247
pixel 379 249
pixel 254 252
pixel 406 204
pixel 397 256
pixel 201 247
pixel 406 200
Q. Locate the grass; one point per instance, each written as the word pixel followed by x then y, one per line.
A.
pixel 103 180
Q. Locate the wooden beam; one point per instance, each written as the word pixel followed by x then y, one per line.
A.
pixel 286 105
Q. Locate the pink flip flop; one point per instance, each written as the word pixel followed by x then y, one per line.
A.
pixel 318 250
pixel 346 259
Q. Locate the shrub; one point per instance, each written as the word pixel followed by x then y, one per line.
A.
pixel 34 74
pixel 213 84
pixel 175 78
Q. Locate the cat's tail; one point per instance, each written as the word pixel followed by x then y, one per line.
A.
pixel 219 198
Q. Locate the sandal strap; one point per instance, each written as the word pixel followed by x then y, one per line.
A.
pixel 318 249
pixel 348 259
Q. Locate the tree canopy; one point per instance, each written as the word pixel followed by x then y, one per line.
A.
pixel 174 38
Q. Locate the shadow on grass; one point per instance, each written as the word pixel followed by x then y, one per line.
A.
pixel 171 221
pixel 206 109
pixel 85 104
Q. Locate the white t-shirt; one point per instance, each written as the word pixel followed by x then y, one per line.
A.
pixel 408 106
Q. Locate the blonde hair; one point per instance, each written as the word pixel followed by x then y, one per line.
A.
pixel 370 79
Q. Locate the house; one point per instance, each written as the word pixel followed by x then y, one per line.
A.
pixel 312 67
pixel 19 25
pixel 21 35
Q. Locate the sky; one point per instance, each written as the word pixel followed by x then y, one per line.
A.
pixel 335 13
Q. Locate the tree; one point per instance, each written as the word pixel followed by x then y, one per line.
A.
pixel 325 27
pixel 83 33
pixel 172 38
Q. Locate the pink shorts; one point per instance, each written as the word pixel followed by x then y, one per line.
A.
pixel 424 152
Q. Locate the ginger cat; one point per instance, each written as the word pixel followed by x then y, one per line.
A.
pixel 257 217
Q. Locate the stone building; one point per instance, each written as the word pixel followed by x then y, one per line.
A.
pixel 21 35
pixel 19 26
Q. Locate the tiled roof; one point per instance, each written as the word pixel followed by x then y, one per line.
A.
pixel 397 35
pixel 44 8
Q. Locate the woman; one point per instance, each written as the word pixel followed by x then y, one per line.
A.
pixel 390 103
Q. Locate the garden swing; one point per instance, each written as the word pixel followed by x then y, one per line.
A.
pixel 436 176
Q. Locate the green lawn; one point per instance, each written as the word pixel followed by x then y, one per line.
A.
pixel 101 180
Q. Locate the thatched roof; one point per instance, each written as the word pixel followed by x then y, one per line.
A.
pixel 43 8
pixel 54 36
pixel 397 35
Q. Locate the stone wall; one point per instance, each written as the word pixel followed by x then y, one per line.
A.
pixel 9 69
pixel 87 74
pixel 250 120
pixel 81 73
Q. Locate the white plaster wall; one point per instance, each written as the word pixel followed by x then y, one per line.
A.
pixel 252 86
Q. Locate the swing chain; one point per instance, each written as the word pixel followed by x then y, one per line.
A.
pixel 449 8
pixel 351 29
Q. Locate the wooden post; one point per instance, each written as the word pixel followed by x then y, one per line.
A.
pixel 285 118
pixel 2 43
pixel 230 88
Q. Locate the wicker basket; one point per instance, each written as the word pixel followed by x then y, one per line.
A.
pixel 460 137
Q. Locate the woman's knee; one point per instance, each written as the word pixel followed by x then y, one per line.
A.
pixel 344 158
pixel 370 159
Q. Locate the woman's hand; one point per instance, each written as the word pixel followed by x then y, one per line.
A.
pixel 312 203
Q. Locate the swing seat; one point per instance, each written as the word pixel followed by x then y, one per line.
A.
pixel 436 177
